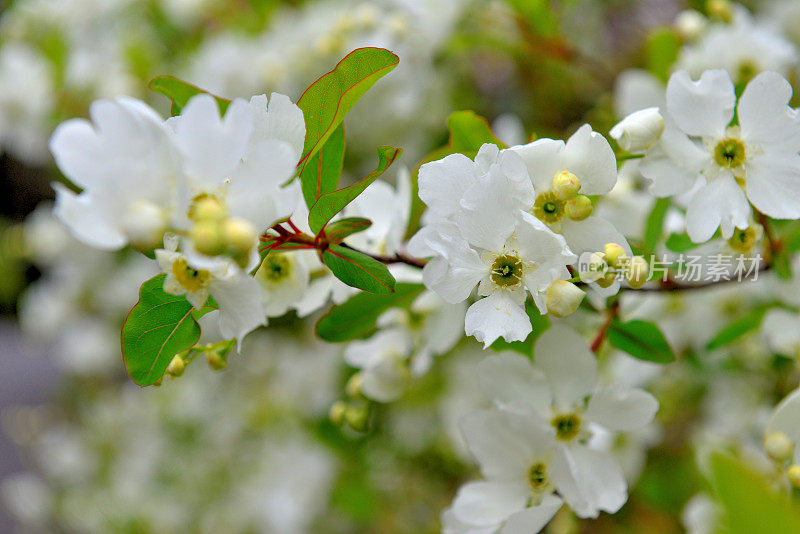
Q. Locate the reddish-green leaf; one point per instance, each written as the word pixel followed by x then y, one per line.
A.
pixel 338 230
pixel 332 203
pixel 326 102
pixel 157 328
pixel 179 92
pixel 322 173
pixel 358 270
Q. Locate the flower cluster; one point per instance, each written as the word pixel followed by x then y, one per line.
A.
pixel 216 181
pixel 535 441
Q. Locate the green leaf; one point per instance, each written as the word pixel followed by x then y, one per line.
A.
pixel 642 340
pixel 468 132
pixel 750 504
pixel 355 318
pixel 680 243
pixel 332 203
pixel 738 328
pixel 655 224
pixel 783 266
pixel 179 92
pixel 539 324
pixel 358 270
pixel 326 102
pixel 322 173
pixel 662 49
pixel 539 14
pixel 157 328
pixel 338 230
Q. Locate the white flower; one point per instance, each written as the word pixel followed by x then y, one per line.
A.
pixel 434 326
pixel 781 332
pixel 743 48
pixel 237 293
pixel 128 169
pixel 515 454
pixel 26 101
pixel 757 160
pixel 484 238
pixel 639 131
pixel 561 391
pixel 383 360
pixel 283 277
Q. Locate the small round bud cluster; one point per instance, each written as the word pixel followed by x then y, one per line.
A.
pixel 354 412
pixel 214 233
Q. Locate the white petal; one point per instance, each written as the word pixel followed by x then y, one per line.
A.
pixel 773 184
pixel 453 525
pixel 442 183
pixel 497 315
pixel 254 191
pixel 212 146
pixel 512 382
pixel 88 219
pixel 547 250
pixel 704 107
pixel 765 117
pixel 240 308
pixel 621 410
pixel 637 89
pixel 487 503
pixel 570 367
pixel 786 417
pixel 280 120
pixel 719 203
pixel 589 480
pixel 589 157
pixel 533 519
pixel 543 160
pixel 504 443
pixel 591 235
pixel 781 331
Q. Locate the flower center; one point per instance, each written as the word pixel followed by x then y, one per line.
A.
pixel 567 426
pixel 548 207
pixel 729 153
pixel 507 270
pixel 743 240
pixel 537 476
pixel 189 278
pixel 746 71
pixel 276 267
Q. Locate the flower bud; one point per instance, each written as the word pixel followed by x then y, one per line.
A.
pixel 239 235
pixel 566 185
pixel 690 24
pixel 793 474
pixel 606 280
pixel 579 208
pixel 207 208
pixel 145 224
pixel 563 298
pixel 637 272
pixel 216 361
pixel 720 9
pixel 778 446
pixel 176 366
pixel 594 267
pixel 615 254
pixel 337 412
pixel 207 238
pixel 357 417
pixel 639 131
pixel 353 386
